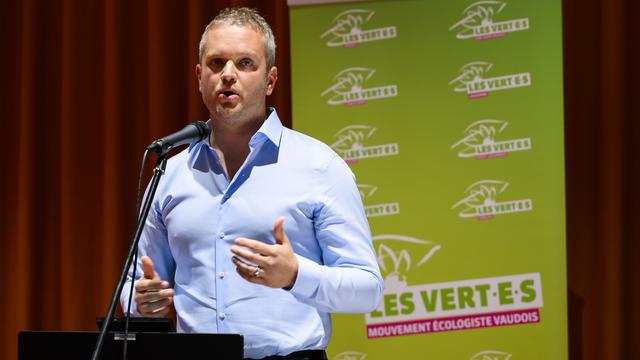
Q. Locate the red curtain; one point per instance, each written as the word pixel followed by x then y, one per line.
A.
pixel 602 139
pixel 87 84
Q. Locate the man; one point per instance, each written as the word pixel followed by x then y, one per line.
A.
pixel 215 243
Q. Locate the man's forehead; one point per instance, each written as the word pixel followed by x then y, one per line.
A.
pixel 220 33
pixel 230 37
pixel 235 29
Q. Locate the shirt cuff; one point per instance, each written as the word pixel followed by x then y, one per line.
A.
pixel 134 306
pixel 307 280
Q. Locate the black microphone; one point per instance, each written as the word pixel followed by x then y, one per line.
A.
pixel 196 131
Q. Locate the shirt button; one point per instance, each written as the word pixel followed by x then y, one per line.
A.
pixel 221 274
pixel 221 235
pixel 222 316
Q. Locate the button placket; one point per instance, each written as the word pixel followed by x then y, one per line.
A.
pixel 221 251
pixel 221 236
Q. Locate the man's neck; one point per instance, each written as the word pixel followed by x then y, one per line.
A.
pixel 232 142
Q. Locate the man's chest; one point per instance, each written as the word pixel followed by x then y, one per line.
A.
pixel 203 210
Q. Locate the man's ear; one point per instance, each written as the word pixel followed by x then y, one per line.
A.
pixel 199 76
pixel 272 77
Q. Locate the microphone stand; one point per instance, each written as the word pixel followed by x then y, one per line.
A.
pixel 160 166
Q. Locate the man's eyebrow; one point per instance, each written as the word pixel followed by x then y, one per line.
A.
pixel 241 54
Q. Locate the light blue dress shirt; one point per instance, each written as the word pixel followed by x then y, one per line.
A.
pixel 197 213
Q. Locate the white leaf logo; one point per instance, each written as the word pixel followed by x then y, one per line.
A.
pixel 470 72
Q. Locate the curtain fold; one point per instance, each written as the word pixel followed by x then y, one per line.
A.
pixel 601 141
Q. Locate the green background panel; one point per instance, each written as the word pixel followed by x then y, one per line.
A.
pixel 427 177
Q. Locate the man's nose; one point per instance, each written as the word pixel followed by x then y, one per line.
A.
pixel 229 71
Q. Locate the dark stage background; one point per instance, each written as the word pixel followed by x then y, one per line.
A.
pixel 87 84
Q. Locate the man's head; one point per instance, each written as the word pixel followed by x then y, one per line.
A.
pixel 243 17
pixel 235 72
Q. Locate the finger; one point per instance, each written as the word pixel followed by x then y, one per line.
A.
pixel 143 285
pixel 147 268
pixel 151 296
pixel 255 245
pixel 152 308
pixel 278 231
pixel 246 271
pixel 161 312
pixel 250 278
pixel 249 256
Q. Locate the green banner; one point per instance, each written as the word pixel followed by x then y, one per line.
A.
pixel 450 115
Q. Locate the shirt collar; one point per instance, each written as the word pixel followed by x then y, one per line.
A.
pixel 270 129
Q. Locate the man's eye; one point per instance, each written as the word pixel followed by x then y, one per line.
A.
pixel 246 62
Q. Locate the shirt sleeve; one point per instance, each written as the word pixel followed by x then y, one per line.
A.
pixel 153 243
pixel 348 280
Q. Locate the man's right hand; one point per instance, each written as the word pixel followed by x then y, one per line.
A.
pixel 153 295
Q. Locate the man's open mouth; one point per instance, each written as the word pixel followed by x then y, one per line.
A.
pixel 229 93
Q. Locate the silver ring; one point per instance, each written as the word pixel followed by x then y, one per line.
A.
pixel 256 272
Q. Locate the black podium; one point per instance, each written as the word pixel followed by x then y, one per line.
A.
pixel 41 345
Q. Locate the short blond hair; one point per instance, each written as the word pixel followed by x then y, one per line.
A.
pixel 243 16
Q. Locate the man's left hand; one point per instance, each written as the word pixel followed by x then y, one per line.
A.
pixel 277 265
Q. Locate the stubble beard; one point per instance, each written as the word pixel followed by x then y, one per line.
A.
pixel 241 116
